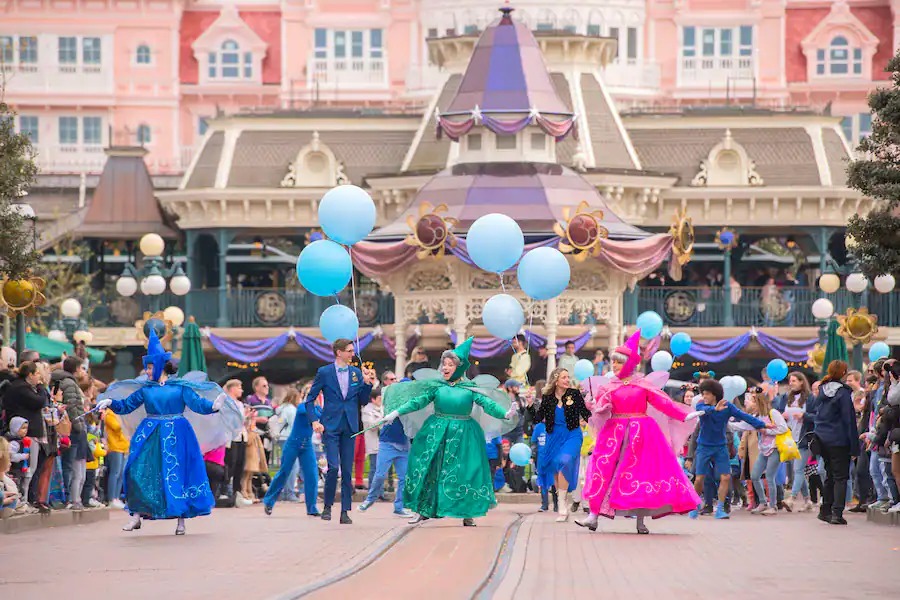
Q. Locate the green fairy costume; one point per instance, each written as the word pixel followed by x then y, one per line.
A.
pixel 450 421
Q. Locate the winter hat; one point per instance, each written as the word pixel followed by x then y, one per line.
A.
pixel 15 424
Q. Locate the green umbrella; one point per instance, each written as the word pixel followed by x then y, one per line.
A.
pixel 192 358
pixel 53 350
pixel 835 347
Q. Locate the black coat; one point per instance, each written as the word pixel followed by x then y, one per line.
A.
pixel 575 410
pixel 22 400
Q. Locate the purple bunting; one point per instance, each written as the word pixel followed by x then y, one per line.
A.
pixel 790 350
pixel 490 347
pixel 719 350
pixel 249 350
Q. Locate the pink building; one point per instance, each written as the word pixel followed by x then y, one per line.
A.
pixel 89 73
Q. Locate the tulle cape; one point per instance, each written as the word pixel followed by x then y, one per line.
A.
pixel 428 381
pixel 598 388
pixel 213 431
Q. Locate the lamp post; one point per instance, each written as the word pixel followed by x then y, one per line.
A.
pixel 152 274
pixel 71 327
pixel 26 211
pixel 727 241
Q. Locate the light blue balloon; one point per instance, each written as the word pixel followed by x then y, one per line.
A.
pixel 544 273
pixel 495 242
pixel 731 387
pixel 503 316
pixel 338 322
pixel 583 369
pixel 680 343
pixel 661 361
pixel 520 454
pixel 879 350
pixel 777 369
pixel 650 324
pixel 324 268
pixel 347 214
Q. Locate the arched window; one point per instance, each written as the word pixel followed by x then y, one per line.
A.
pixel 142 55
pixel 839 58
pixel 230 63
pixel 143 134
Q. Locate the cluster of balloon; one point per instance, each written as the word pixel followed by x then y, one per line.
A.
pixel 495 243
pixel 520 454
pixel 733 386
pixel 879 350
pixel 324 268
pixel 777 370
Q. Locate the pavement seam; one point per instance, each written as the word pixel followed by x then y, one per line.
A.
pixel 349 572
pixel 498 569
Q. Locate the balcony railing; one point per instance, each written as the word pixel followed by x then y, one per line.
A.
pixel 632 74
pixel 59 81
pixel 361 73
pixel 717 70
pixel 70 158
pixel 752 306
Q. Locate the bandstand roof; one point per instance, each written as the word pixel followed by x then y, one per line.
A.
pixel 534 194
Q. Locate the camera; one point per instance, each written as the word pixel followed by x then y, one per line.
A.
pixel 755 389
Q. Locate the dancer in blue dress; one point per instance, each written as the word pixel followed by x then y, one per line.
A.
pixel 561 410
pixel 179 420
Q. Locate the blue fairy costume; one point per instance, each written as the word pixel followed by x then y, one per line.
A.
pixel 172 424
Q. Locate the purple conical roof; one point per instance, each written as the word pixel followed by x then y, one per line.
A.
pixel 507 74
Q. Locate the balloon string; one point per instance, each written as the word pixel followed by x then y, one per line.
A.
pixel 353 291
pixel 530 324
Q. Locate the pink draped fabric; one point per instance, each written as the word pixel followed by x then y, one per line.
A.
pixel 454 129
pixel 382 258
pixel 558 129
pixel 637 258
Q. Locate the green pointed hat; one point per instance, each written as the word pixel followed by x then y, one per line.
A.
pixel 462 353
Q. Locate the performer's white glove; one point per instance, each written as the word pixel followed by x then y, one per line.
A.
pixel 389 418
pixel 694 415
pixel 103 404
pixel 219 402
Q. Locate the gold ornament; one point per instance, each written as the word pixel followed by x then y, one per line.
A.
pixel 431 231
pixel 23 295
pixel 682 232
pixel 159 315
pixel 857 326
pixel 582 233
pixel 726 239
pixel 816 357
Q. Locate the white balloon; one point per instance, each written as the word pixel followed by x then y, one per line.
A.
pixel 857 282
pixel 822 308
pixel 885 283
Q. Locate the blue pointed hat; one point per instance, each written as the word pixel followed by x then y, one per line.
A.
pixel 156 355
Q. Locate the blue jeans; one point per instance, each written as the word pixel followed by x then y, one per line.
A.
pixel 389 454
pixel 297 447
pixel 768 465
pixel 801 485
pixel 115 465
pixel 877 471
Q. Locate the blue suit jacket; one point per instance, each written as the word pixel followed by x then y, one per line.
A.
pixel 336 406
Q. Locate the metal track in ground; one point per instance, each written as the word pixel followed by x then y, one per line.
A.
pixel 492 580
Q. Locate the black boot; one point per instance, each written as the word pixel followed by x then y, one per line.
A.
pixel 555 499
pixel 837 517
pixel 326 513
pixel 825 513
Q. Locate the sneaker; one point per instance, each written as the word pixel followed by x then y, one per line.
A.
pixel 694 514
pixel 365 505
pixel 94 504
pixel 239 500
pixel 880 505
pixel 769 511
pixel 788 503
pixel 707 510
pixel 117 504
pixel 721 513
pixel 404 513
pixel 417 519
pixel 759 509
pixel 895 508
pixel 836 520
pixel 505 489
pixel 78 507
pixel 808 506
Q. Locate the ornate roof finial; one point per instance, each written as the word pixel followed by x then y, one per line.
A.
pixel 506 10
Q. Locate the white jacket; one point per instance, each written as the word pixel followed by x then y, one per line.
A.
pixel 371 414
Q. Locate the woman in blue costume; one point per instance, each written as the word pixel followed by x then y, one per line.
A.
pixel 165 477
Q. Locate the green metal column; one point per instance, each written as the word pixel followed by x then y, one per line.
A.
pixel 728 313
pixel 20 335
pixel 223 239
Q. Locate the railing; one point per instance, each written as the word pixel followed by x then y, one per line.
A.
pixel 348 72
pixel 716 69
pixel 70 158
pixel 630 73
pixel 752 306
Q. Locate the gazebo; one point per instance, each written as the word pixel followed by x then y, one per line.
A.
pixel 506 119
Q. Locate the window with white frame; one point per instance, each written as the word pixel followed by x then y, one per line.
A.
pixel 143 134
pixel 593 30
pixel 68 50
pixel 90 50
pixel 614 34
pixel 717 48
pixel 68 131
pixel 28 49
pixel 363 47
pixel 21 49
pixel 631 46
pixel 856 127
pixel 29 125
pixel 142 55
pixel 92 131
pixel 7 47
pixel 228 62
pixel 839 58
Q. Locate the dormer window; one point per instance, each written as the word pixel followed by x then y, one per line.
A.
pixel 230 63
pixel 230 51
pixel 839 58
pixel 142 55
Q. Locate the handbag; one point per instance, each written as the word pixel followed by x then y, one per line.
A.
pixel 64 427
pixel 787 447
pixel 811 468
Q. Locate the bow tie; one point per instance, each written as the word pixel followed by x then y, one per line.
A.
pixel 343 369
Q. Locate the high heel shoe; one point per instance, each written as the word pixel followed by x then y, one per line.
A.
pixel 179 529
pixel 133 525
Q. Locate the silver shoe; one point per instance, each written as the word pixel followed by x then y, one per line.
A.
pixel 133 525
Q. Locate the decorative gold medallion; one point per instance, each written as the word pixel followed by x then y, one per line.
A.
pixel 431 231
pixel 581 237
pixel 682 232
pixel 23 295
pixel 857 326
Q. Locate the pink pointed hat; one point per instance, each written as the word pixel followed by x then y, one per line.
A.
pixel 632 350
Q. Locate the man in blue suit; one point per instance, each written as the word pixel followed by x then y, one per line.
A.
pixel 345 390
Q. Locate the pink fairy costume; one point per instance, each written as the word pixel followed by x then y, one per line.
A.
pixel 634 468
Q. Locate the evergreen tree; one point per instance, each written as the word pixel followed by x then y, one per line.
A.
pixel 877 175
pixel 17 173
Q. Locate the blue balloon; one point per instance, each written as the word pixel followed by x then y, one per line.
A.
pixel 324 268
pixel 879 350
pixel 520 454
pixel 503 316
pixel 347 214
pixel 583 369
pixel 731 387
pixel 661 361
pixel 495 242
pixel 338 322
pixel 544 273
pixel 680 344
pixel 777 369
pixel 650 324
